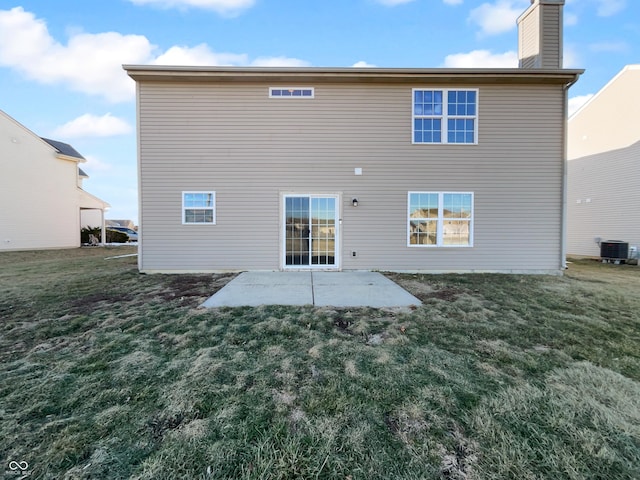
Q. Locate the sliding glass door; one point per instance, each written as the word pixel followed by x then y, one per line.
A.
pixel 310 231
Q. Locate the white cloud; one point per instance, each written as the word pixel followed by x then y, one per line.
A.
pixel 498 17
pixel 88 125
pixel 202 55
pixel 224 7
pixel 613 47
pixel 199 55
pixel 88 63
pixel 482 59
pixel 95 164
pixel 393 3
pixel 363 64
pixel 570 57
pixel 570 19
pixel 576 102
pixel 92 63
pixel 279 62
pixel 453 2
pixel 602 8
pixel 607 8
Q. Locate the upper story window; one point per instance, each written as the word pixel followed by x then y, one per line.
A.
pixel 445 116
pixel 199 208
pixel 291 92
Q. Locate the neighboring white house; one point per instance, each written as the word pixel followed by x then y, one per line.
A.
pixel 604 167
pixel 42 202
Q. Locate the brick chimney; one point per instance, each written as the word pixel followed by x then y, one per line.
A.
pixel 540 35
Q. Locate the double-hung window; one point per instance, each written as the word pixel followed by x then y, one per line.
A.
pixel 445 116
pixel 440 219
pixel 198 208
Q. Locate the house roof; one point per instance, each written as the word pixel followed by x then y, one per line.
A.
pixel 609 120
pixel 89 201
pixel 631 68
pixel 81 173
pixel 352 75
pixel 64 149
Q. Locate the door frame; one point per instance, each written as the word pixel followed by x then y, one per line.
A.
pixel 283 233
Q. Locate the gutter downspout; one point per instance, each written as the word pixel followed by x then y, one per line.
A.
pixel 565 161
pixel 139 168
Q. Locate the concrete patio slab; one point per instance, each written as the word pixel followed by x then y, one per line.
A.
pixel 252 289
pixel 359 289
pixel 274 278
pixel 337 289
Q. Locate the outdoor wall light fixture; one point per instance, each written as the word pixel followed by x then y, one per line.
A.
pixel 354 202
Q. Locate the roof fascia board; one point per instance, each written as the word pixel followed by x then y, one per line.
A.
pixel 347 75
pixel 68 158
pixel 93 197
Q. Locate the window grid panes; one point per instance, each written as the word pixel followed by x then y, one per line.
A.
pixel 291 92
pixel 440 219
pixel 310 231
pixel 198 207
pixel 445 116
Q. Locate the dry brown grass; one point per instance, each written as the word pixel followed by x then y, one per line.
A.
pixel 106 373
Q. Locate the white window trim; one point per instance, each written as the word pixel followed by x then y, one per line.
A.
pixel 338 234
pixel 313 93
pixel 440 221
pixel 445 115
pixel 213 208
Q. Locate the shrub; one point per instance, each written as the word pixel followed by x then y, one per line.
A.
pixel 112 236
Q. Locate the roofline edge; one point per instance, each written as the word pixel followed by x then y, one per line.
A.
pixel 165 72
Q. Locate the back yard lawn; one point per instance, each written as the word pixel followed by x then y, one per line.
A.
pixel 106 373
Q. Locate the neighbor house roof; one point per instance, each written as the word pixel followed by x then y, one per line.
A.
pixel 351 74
pixel 627 70
pixel 64 149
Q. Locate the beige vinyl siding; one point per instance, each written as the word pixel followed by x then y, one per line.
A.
pixel 250 150
pixel 529 40
pixel 604 167
pixel 551 37
pixel 606 187
pixel 540 35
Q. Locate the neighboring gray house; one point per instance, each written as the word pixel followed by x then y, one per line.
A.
pixel 428 170
pixel 604 167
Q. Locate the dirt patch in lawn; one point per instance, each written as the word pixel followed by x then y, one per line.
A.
pixel 342 324
pixel 446 294
pixel 426 290
pixel 195 287
pixel 87 304
pixel 190 290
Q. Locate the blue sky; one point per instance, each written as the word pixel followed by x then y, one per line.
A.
pixel 61 74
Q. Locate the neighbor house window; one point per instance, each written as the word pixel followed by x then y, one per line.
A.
pixel 291 92
pixel 198 207
pixel 445 116
pixel 440 219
